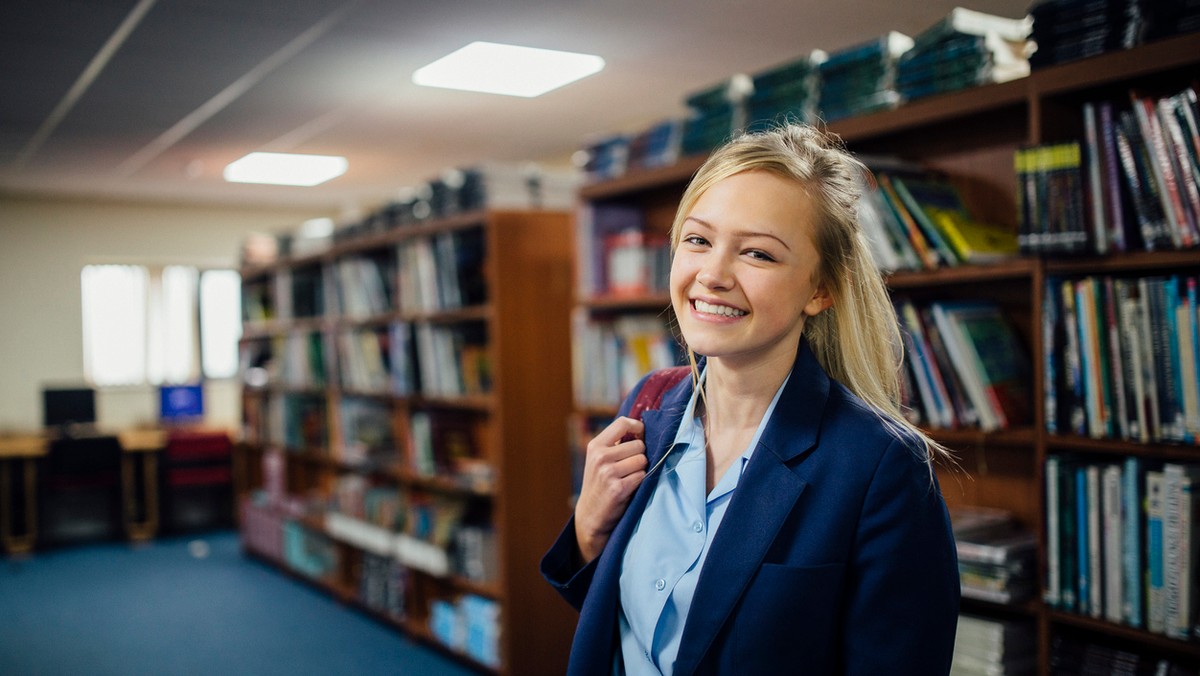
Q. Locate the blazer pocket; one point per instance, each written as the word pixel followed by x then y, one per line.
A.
pixel 790 611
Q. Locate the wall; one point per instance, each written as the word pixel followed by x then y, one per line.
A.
pixel 43 246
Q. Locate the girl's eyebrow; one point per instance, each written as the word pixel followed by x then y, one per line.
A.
pixel 744 234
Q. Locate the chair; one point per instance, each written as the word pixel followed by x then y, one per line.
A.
pixel 197 481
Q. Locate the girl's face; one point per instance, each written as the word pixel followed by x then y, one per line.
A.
pixel 742 276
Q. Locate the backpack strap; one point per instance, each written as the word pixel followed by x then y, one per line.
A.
pixel 656 385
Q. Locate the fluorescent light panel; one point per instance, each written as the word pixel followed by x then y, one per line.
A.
pixel 510 70
pixel 285 169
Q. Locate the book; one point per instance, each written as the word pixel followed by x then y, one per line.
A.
pixel 1052 585
pixel 1112 506
pixel 1180 547
pixel 1156 617
pixel 1132 564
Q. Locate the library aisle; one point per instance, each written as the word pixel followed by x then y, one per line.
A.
pixel 189 605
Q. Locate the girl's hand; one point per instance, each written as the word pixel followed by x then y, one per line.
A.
pixel 613 468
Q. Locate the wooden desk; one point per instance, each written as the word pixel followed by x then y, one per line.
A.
pixel 24 450
pixel 144 445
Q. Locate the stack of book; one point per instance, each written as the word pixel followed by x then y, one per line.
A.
pixel 989 647
pixel 384 585
pixel 716 112
pixel 1165 18
pixel 965 366
pixel 470 625
pixel 459 190
pixel 964 49
pixel 604 158
pixel 862 78
pixel 656 146
pixel 1066 30
pixel 996 556
pixel 787 92
pixel 916 219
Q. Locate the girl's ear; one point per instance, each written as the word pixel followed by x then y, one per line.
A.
pixel 820 302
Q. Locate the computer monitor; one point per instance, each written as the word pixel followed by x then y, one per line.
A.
pixel 181 403
pixel 67 406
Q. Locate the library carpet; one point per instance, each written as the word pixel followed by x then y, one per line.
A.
pixel 190 605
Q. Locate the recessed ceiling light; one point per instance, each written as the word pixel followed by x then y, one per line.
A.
pixel 507 69
pixel 285 169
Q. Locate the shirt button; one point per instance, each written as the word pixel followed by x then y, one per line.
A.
pixel 660 584
pixel 698 527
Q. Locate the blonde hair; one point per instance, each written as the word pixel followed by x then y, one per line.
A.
pixel 857 340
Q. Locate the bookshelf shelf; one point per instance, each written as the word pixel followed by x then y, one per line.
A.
pixel 660 301
pixel 1156 642
pixel 972 136
pixel 1018 269
pixel 491 364
pixel 643 180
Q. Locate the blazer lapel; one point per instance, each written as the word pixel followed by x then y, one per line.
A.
pixel 766 495
pixel 595 635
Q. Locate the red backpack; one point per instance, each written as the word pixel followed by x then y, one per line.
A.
pixel 656 385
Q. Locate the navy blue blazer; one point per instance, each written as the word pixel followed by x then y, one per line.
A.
pixel 835 555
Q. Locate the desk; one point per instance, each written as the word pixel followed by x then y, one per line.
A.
pixel 144 445
pixel 139 490
pixel 24 450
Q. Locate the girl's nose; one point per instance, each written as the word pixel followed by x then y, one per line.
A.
pixel 716 273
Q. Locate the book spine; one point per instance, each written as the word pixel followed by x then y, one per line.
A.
pixel 1119 420
pixel 1095 184
pixel 1112 187
pixel 1155 616
pixel 1114 579
pixel 1095 543
pixel 1132 516
pixel 1052 594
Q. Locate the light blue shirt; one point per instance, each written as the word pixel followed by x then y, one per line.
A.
pixel 662 562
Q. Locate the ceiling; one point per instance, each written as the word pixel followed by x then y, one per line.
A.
pixel 150 99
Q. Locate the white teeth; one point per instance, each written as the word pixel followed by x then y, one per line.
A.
pixel 723 310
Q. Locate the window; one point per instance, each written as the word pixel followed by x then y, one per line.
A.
pixel 155 325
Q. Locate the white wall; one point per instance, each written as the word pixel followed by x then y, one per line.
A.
pixel 44 245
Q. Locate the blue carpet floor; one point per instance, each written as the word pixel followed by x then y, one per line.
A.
pixel 190 605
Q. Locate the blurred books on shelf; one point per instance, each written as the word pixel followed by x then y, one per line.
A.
pixel 1122 357
pixel 916 218
pixel 861 78
pixel 715 113
pixel 1121 541
pixel 787 92
pixel 968 364
pixel 997 558
pixel 966 48
pixel 986 646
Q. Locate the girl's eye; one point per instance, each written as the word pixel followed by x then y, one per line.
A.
pixel 762 256
pixel 697 240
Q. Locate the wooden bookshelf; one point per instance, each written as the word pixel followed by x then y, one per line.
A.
pixel 513 484
pixel 972 135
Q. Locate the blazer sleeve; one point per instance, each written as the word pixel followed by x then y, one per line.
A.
pixel 560 566
pixel 902 610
